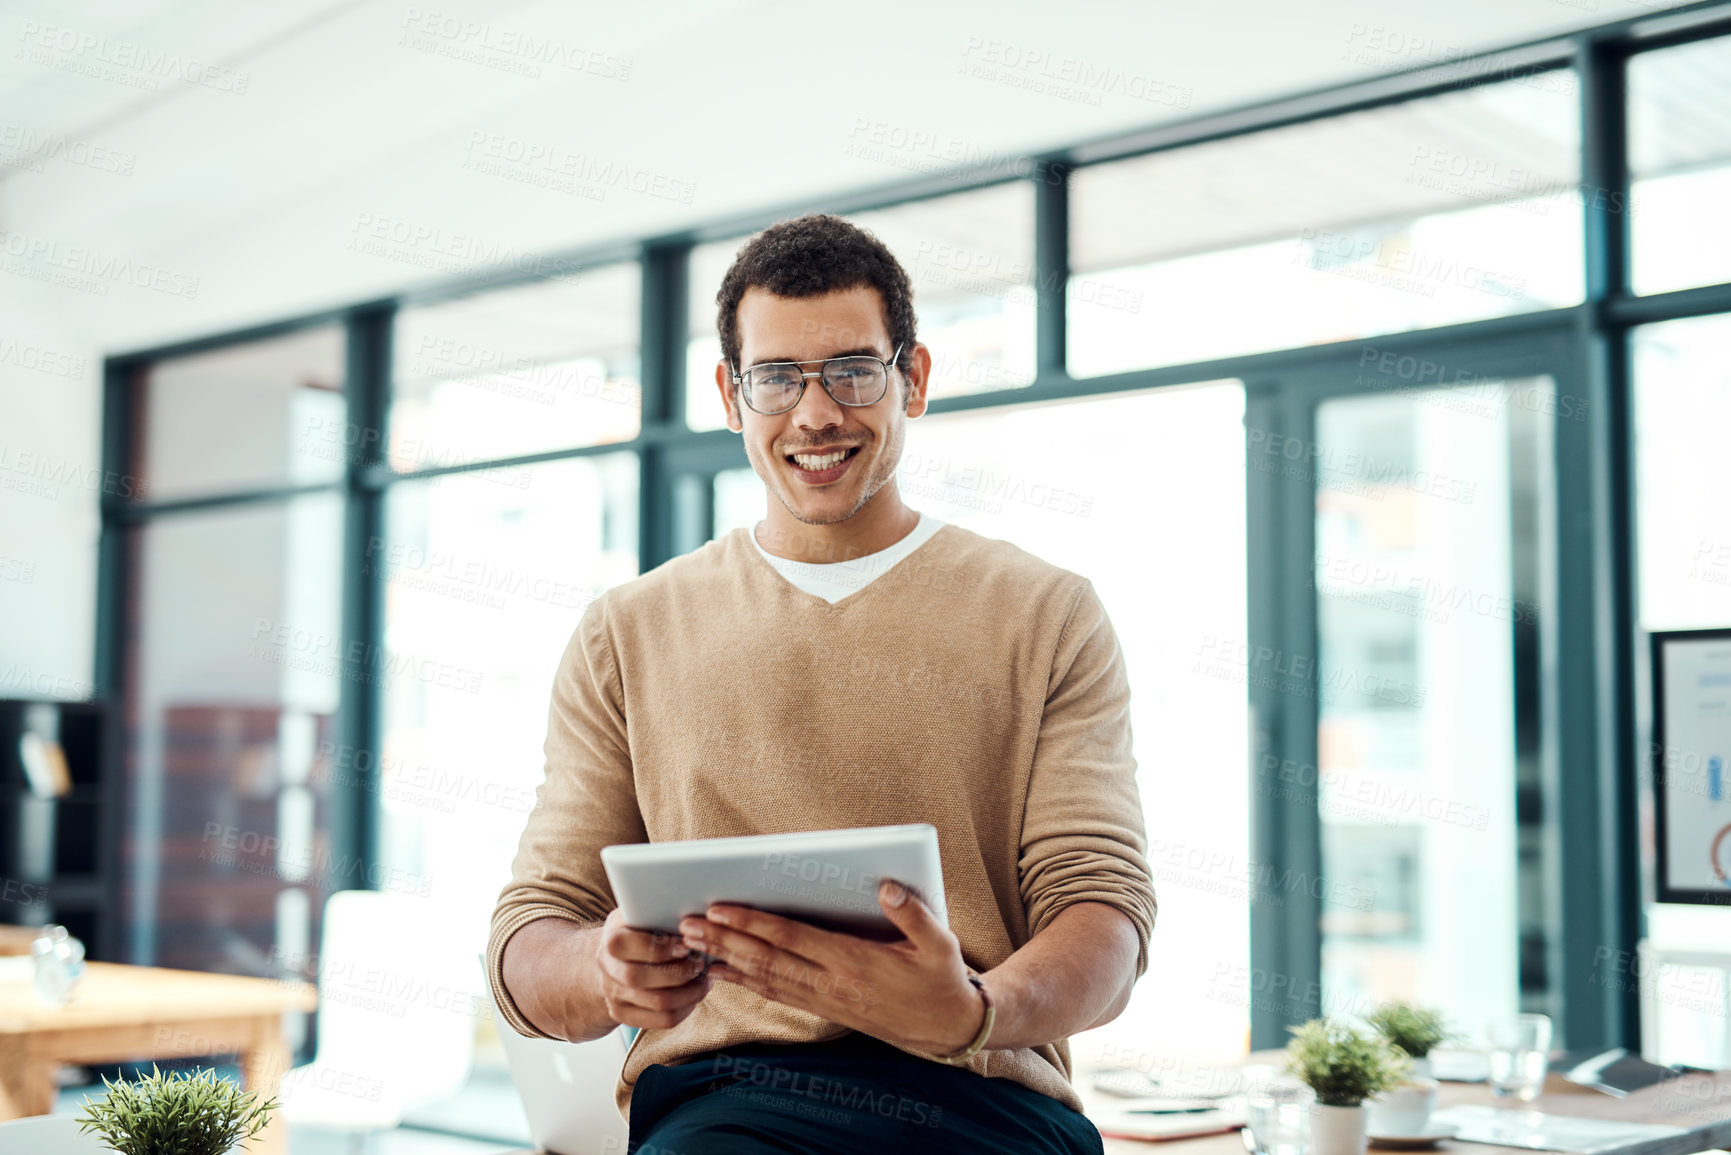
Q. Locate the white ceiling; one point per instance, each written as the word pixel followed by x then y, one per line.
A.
pixel 270 196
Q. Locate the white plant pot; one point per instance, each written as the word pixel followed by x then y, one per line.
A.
pixel 1421 1070
pixel 1403 1109
pixel 1337 1130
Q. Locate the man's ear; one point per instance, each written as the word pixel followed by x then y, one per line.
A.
pixel 729 399
pixel 918 377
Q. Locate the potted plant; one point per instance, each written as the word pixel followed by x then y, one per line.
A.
pixel 1405 1108
pixel 1414 1029
pixel 177 1114
pixel 1344 1066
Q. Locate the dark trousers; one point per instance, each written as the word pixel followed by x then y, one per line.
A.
pixel 847 1095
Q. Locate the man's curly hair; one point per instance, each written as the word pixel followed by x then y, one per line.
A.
pixel 810 256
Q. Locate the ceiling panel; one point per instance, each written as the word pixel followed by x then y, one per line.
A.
pixel 499 131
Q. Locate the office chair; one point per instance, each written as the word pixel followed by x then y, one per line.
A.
pixel 397 1016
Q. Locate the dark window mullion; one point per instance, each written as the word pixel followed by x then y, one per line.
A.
pixel 1285 986
pixel 356 819
pixel 1602 500
pixel 1051 268
pixel 1602 70
pixel 662 342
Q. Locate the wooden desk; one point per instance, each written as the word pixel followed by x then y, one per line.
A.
pixel 16 940
pixel 121 1013
pixel 1702 1104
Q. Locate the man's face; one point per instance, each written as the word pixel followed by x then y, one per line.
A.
pixel 786 449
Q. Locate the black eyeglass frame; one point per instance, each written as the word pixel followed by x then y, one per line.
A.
pixel 822 366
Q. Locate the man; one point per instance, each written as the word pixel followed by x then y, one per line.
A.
pixel 849 663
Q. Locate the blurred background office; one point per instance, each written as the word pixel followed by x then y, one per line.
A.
pixel 1374 361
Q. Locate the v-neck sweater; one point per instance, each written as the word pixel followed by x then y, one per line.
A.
pixel 835 580
pixel 973 686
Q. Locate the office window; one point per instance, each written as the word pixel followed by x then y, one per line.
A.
pixel 268 413
pixel 1447 209
pixel 230 711
pixel 1161 534
pixel 548 365
pixel 1430 507
pixel 486 575
pixel 1680 165
pixel 739 499
pixel 970 257
pixel 1682 410
pixel 709 263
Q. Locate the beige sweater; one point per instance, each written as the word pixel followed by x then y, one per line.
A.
pixel 972 686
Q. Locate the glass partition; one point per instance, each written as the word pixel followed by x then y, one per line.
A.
pixel 487 572
pixel 1447 209
pixel 708 264
pixel 1682 410
pixel 1680 165
pixel 253 416
pixel 1430 509
pixel 548 365
pixel 230 714
pixel 971 259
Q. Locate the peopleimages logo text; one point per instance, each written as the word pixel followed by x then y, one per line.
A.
pixel 102 268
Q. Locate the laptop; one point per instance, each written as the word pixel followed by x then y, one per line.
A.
pixel 566 1088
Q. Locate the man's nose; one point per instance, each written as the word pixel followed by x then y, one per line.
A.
pixel 817 409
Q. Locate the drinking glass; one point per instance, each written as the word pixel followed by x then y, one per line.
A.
pixel 1278 1110
pixel 1520 1056
pixel 58 964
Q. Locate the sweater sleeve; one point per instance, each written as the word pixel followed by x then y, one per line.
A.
pixel 1083 838
pixel 587 800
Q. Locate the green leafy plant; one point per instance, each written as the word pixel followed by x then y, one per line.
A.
pixel 1344 1065
pixel 1412 1028
pixel 176 1114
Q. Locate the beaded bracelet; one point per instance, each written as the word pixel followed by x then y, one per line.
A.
pixel 979 1043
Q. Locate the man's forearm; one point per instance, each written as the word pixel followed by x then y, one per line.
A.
pixel 552 974
pixel 1074 975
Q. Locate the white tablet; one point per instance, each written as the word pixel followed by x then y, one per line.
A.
pixel 828 878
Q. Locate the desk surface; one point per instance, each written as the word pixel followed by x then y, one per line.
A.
pixel 1699 1103
pixel 126 1012
pixel 112 994
pixel 16 940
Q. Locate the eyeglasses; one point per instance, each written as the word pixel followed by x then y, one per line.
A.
pixel 777 386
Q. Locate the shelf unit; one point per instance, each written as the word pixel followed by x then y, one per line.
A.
pixel 57 854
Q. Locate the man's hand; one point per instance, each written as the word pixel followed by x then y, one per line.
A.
pixel 914 993
pixel 648 979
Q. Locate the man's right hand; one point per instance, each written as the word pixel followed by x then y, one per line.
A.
pixel 579 983
pixel 648 979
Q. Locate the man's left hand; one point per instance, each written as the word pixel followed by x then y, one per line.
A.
pixel 914 993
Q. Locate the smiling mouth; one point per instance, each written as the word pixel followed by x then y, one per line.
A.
pixel 818 468
pixel 820 461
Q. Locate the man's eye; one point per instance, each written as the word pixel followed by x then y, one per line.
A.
pixel 775 378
